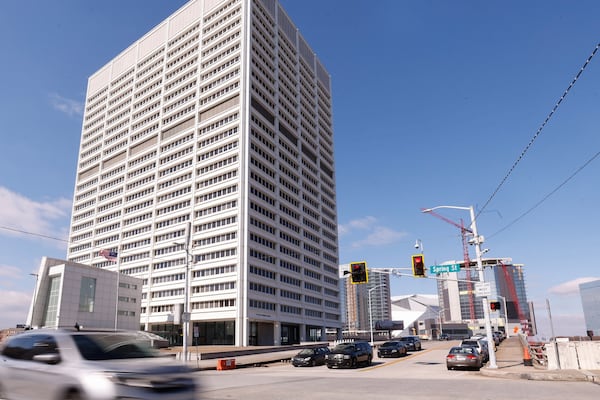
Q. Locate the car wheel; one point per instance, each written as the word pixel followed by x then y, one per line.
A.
pixel 329 366
pixel 73 396
pixel 353 363
pixel 369 361
pixel 312 363
pixel 295 365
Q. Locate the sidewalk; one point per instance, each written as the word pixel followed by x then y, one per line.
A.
pixel 509 360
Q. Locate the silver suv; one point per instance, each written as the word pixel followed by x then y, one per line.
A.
pixel 76 365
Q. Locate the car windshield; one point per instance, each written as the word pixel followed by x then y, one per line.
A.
pixel 344 348
pixel 98 347
pixel 389 344
pixel 462 350
pixel 306 352
pixel 406 339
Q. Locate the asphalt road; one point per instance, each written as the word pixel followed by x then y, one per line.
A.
pixel 420 375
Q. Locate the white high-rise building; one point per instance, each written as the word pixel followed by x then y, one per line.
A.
pixel 218 119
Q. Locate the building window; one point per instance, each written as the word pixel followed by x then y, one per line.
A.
pixel 52 308
pixel 87 294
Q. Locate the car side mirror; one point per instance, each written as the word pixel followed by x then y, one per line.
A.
pixel 49 358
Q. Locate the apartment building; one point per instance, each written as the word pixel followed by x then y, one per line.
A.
pixel 365 305
pixel 207 160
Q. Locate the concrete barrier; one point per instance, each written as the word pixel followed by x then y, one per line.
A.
pixel 574 355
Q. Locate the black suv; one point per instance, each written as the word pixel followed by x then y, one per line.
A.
pixel 411 342
pixel 349 355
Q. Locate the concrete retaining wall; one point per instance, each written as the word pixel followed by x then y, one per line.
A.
pixel 574 355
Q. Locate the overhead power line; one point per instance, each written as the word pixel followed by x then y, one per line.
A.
pixel 8 228
pixel 548 195
pixel 539 131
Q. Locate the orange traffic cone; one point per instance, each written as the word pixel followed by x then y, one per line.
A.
pixel 527 361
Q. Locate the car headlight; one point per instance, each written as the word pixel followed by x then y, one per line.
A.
pixel 346 356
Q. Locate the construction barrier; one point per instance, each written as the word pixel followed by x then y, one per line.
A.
pixel 527 357
pixel 227 363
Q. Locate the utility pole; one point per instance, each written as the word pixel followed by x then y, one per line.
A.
pixel 477 240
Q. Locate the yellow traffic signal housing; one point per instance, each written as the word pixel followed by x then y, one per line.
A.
pixel 359 272
pixel 418 265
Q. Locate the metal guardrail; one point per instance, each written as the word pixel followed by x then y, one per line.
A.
pixel 536 352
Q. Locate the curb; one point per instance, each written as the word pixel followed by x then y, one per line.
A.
pixel 559 375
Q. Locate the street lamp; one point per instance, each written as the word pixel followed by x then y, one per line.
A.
pixel 186 311
pixel 371 311
pixel 477 240
pixel 440 319
pixel 34 300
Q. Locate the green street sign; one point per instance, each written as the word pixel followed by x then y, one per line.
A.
pixel 438 269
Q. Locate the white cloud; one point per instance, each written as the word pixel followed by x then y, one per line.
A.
pixel 67 106
pixel 8 272
pixel 379 236
pixel 357 224
pixel 13 308
pixel 20 215
pixel 376 234
pixel 570 287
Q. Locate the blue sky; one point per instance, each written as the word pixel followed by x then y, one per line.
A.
pixel 434 101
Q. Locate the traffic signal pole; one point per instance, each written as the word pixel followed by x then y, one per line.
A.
pixel 477 240
pixel 486 308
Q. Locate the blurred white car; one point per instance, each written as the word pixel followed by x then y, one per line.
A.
pixel 155 341
pixel 89 365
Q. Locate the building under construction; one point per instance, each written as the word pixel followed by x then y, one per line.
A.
pixel 459 300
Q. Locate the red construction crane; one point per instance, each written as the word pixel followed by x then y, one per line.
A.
pixel 467 262
pixel 510 283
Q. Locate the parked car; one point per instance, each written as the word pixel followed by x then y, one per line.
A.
pixel 392 348
pixel 496 339
pixel 349 355
pixel 464 357
pixel 411 342
pixel 501 335
pixel 93 365
pixel 310 357
pixel 444 336
pixel 480 344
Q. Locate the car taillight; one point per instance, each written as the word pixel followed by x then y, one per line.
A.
pixel 471 357
pixel 450 356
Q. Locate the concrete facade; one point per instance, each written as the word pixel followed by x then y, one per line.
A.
pixel 69 293
pixel 219 119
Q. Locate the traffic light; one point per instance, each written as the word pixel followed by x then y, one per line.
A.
pixel 418 265
pixel 359 272
pixel 495 305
